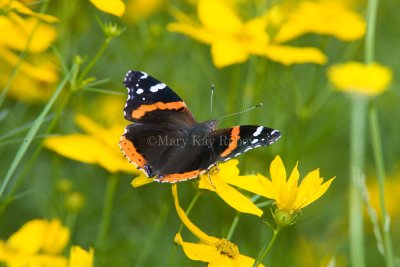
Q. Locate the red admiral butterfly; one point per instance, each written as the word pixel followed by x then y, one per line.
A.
pixel 166 141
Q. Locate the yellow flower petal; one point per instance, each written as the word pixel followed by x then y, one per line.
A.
pixel 38 235
pixel 322 17
pixel 141 180
pixel 20 8
pixel 226 171
pixel 16 36
pixel 198 252
pixel 292 186
pixel 268 186
pixel 289 55
pixel 234 198
pixel 210 240
pixel 197 33
pixel 225 261
pixel 57 237
pixel 245 261
pixel 114 7
pixel 42 72
pixel 367 79
pixel 29 238
pixel 88 149
pixel 218 17
pixel 289 196
pixel 229 174
pixel 226 52
pixel 88 125
pixel 278 175
pixel 310 189
pixel 251 183
pixel 80 257
pixel 137 10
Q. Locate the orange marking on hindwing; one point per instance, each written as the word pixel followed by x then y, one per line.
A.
pixel 177 177
pixel 233 143
pixel 131 153
pixel 143 109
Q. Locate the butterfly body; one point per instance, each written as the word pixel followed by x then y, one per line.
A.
pixel 166 142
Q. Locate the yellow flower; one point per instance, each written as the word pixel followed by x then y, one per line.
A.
pixel 366 79
pixel 392 191
pixel 40 76
pixel 36 72
pixel 233 41
pixel 220 181
pixel 36 243
pixel 213 250
pixel 98 146
pixel 114 7
pixel 290 196
pixel 137 10
pixel 326 17
pixel 14 7
pixel 80 257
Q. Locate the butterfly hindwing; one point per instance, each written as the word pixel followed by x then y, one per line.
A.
pixel 231 142
pixel 152 101
pixel 166 153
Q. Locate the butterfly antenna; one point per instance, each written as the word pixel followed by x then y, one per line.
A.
pixel 211 100
pixel 240 112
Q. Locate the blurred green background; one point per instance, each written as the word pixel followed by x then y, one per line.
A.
pixel 298 101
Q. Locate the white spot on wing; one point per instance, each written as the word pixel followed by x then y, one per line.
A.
pixel 139 91
pixel 144 76
pixel 258 131
pixel 157 87
pixel 254 141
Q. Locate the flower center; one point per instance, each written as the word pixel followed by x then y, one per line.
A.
pixel 227 248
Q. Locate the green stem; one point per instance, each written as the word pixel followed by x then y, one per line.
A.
pixel 266 249
pixel 370 33
pixel 31 135
pixel 95 59
pixel 147 248
pixel 377 149
pixel 189 209
pixel 233 226
pixel 22 56
pixel 375 135
pixel 107 210
pixel 357 152
pixel 30 162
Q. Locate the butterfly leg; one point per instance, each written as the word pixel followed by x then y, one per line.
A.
pixel 209 178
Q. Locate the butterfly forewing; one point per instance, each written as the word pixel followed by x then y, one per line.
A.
pixel 152 101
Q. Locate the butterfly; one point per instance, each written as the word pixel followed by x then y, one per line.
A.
pixel 166 142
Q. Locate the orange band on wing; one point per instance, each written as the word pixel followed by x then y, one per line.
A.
pixel 233 143
pixel 143 109
pixel 131 153
pixel 177 177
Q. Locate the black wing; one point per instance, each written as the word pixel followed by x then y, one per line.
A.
pixel 152 101
pixel 231 142
pixel 168 154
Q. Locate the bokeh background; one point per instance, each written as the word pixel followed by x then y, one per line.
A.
pixel 298 99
